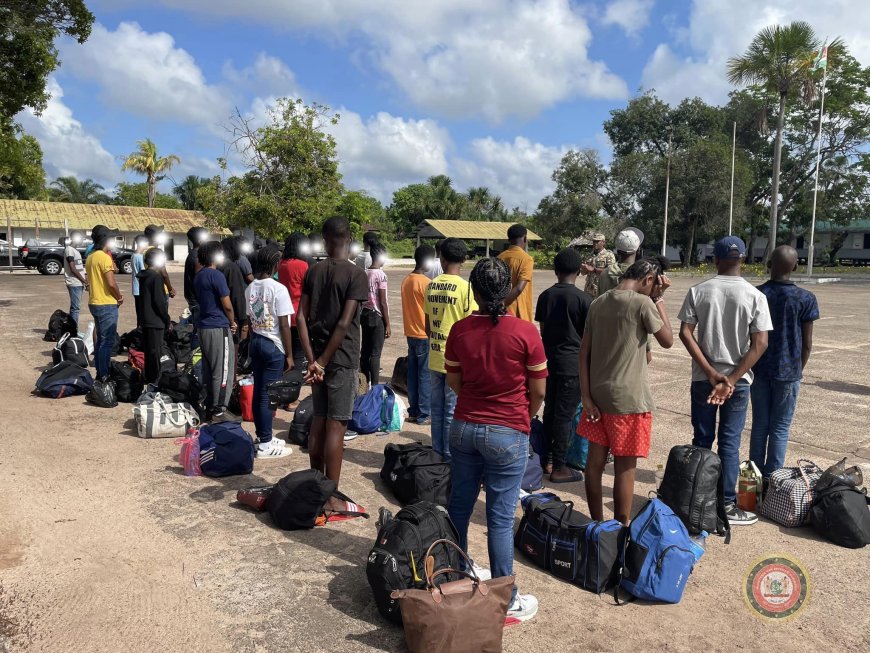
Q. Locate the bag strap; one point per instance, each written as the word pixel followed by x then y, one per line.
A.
pixel 621 575
pixel 721 515
pixel 430 574
pixel 62 340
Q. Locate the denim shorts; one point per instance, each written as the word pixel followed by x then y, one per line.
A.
pixel 333 398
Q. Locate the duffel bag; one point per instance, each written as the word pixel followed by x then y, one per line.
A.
pixel 102 394
pixel 656 557
pixel 599 556
pixel 66 379
pixel 397 558
pixel 128 381
pixel 840 514
pixel 225 450
pixel 541 515
pixel 70 348
pixel 159 419
pixel 789 494
pixel 415 472
pixel 297 500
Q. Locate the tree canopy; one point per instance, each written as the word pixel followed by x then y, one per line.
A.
pixel 70 189
pixel 21 173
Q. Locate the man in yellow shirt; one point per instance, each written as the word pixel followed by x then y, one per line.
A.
pixel 448 300
pixel 519 299
pixel 105 297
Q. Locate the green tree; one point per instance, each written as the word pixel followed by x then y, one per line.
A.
pixel 147 163
pixel 779 59
pixel 127 194
pixel 70 189
pixel 21 172
pixel 292 179
pixel 444 203
pixel 575 205
pixel 482 204
pixel 410 206
pixel 187 191
pixel 361 208
pixel 28 29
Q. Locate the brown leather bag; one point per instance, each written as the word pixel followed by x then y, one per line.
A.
pixel 463 616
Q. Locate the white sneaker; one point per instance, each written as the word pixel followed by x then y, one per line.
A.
pixel 275 448
pixel 524 607
pixel 482 572
pixel 350 435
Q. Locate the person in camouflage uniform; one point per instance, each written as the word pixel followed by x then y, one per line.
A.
pixel 600 260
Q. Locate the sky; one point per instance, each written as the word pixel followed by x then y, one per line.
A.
pixel 489 92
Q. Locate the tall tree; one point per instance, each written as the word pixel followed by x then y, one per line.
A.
pixel 779 59
pixel 410 206
pixel 187 191
pixel 70 189
pixel 147 163
pixel 127 194
pixel 21 173
pixel 361 208
pixel 444 203
pixel 28 29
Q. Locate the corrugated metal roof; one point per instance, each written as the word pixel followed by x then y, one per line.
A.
pixel 472 229
pixel 856 225
pixel 51 215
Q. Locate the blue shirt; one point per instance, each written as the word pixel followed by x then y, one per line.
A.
pixel 790 307
pixel 138 266
pixel 210 286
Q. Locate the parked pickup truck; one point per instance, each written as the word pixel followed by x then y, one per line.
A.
pixel 48 258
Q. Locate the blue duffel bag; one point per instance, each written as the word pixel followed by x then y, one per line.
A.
pixel 225 450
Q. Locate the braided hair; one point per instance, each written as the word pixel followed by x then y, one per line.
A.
pixel 491 280
pixel 642 268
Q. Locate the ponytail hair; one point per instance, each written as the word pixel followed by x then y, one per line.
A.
pixel 651 265
pixel 491 280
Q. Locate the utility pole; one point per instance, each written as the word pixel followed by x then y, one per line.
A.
pixel 733 152
pixel 667 194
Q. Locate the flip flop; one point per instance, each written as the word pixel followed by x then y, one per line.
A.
pixel 350 507
pixel 575 477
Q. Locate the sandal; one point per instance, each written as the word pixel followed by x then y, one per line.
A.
pixel 575 477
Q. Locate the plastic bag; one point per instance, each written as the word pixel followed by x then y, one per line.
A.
pixel 839 473
pixel 189 456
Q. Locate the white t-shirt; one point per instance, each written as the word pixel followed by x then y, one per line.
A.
pixel 266 301
pixel 727 310
pixel 69 277
pixel 436 270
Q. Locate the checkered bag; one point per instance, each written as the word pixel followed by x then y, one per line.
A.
pixel 789 495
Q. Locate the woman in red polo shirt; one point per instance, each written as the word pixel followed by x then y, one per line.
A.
pixel 291 273
pixel 496 365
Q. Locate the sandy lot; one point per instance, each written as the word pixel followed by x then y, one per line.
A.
pixel 105 546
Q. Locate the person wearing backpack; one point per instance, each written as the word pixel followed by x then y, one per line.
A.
pixel 448 300
pixel 617 399
pixel 724 325
pixel 105 299
pixel 269 308
pixel 375 319
pixel 496 365
pixel 774 391
pixel 329 329
pixel 414 319
pixel 153 312
pixel 216 327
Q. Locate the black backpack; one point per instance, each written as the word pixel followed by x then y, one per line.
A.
pixel 128 381
pixel 415 472
pixel 131 340
pixel 180 341
pixel 399 380
pixel 298 499
pixel 840 514
pixel 692 488
pixel 102 394
pixel 66 379
pixel 301 424
pixel 397 559
pixel 70 348
pixel 60 323
pixel 181 387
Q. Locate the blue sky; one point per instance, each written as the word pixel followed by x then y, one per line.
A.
pixel 490 92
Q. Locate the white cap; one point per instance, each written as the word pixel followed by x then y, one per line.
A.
pixel 629 240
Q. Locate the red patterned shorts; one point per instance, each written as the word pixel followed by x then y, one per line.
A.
pixel 624 435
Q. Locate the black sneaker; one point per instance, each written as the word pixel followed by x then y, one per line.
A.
pixel 738 517
pixel 224 416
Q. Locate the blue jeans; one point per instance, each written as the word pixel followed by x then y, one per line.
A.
pixel 418 378
pixel 106 329
pixel 497 455
pixel 773 404
pixel 75 301
pixel 267 362
pixel 442 405
pixel 732 418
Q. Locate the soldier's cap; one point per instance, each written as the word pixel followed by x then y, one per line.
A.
pixel 598 236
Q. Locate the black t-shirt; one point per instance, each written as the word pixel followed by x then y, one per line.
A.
pixel 189 274
pixel 562 311
pixel 329 284
pixel 236 283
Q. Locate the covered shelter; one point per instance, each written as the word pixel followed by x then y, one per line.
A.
pixel 487 232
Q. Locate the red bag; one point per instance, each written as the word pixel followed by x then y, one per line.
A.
pixel 136 358
pixel 246 401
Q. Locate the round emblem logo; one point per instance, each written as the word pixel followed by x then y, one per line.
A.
pixel 777 587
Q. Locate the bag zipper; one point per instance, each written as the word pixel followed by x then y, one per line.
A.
pixel 665 550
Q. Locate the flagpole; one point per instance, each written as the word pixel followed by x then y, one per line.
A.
pixel 811 252
pixel 667 192
pixel 733 153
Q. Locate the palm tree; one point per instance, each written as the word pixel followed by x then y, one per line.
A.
pixel 70 189
pixel 187 190
pixel 779 59
pixel 145 161
pixel 444 203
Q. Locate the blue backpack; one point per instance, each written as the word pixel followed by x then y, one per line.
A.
pixel 373 411
pixel 533 477
pixel 225 449
pixel 656 557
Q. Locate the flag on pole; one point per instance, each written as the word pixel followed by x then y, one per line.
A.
pixel 821 61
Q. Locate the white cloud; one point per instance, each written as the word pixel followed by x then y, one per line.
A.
pixel 631 15
pixel 490 58
pixel 268 75
pixel 719 29
pixel 146 74
pixel 67 147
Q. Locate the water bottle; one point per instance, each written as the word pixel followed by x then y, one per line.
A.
pixel 660 475
pixel 698 544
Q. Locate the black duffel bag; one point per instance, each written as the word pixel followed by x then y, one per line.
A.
pixel 839 511
pixel 297 500
pixel 128 381
pixel 70 348
pixel 415 472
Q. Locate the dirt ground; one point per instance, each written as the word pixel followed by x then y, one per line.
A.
pixel 105 546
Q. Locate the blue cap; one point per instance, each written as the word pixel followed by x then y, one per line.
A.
pixel 729 247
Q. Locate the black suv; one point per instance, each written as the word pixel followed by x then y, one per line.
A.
pixel 48 258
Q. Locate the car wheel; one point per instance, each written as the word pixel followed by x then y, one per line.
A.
pixel 127 266
pixel 51 266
